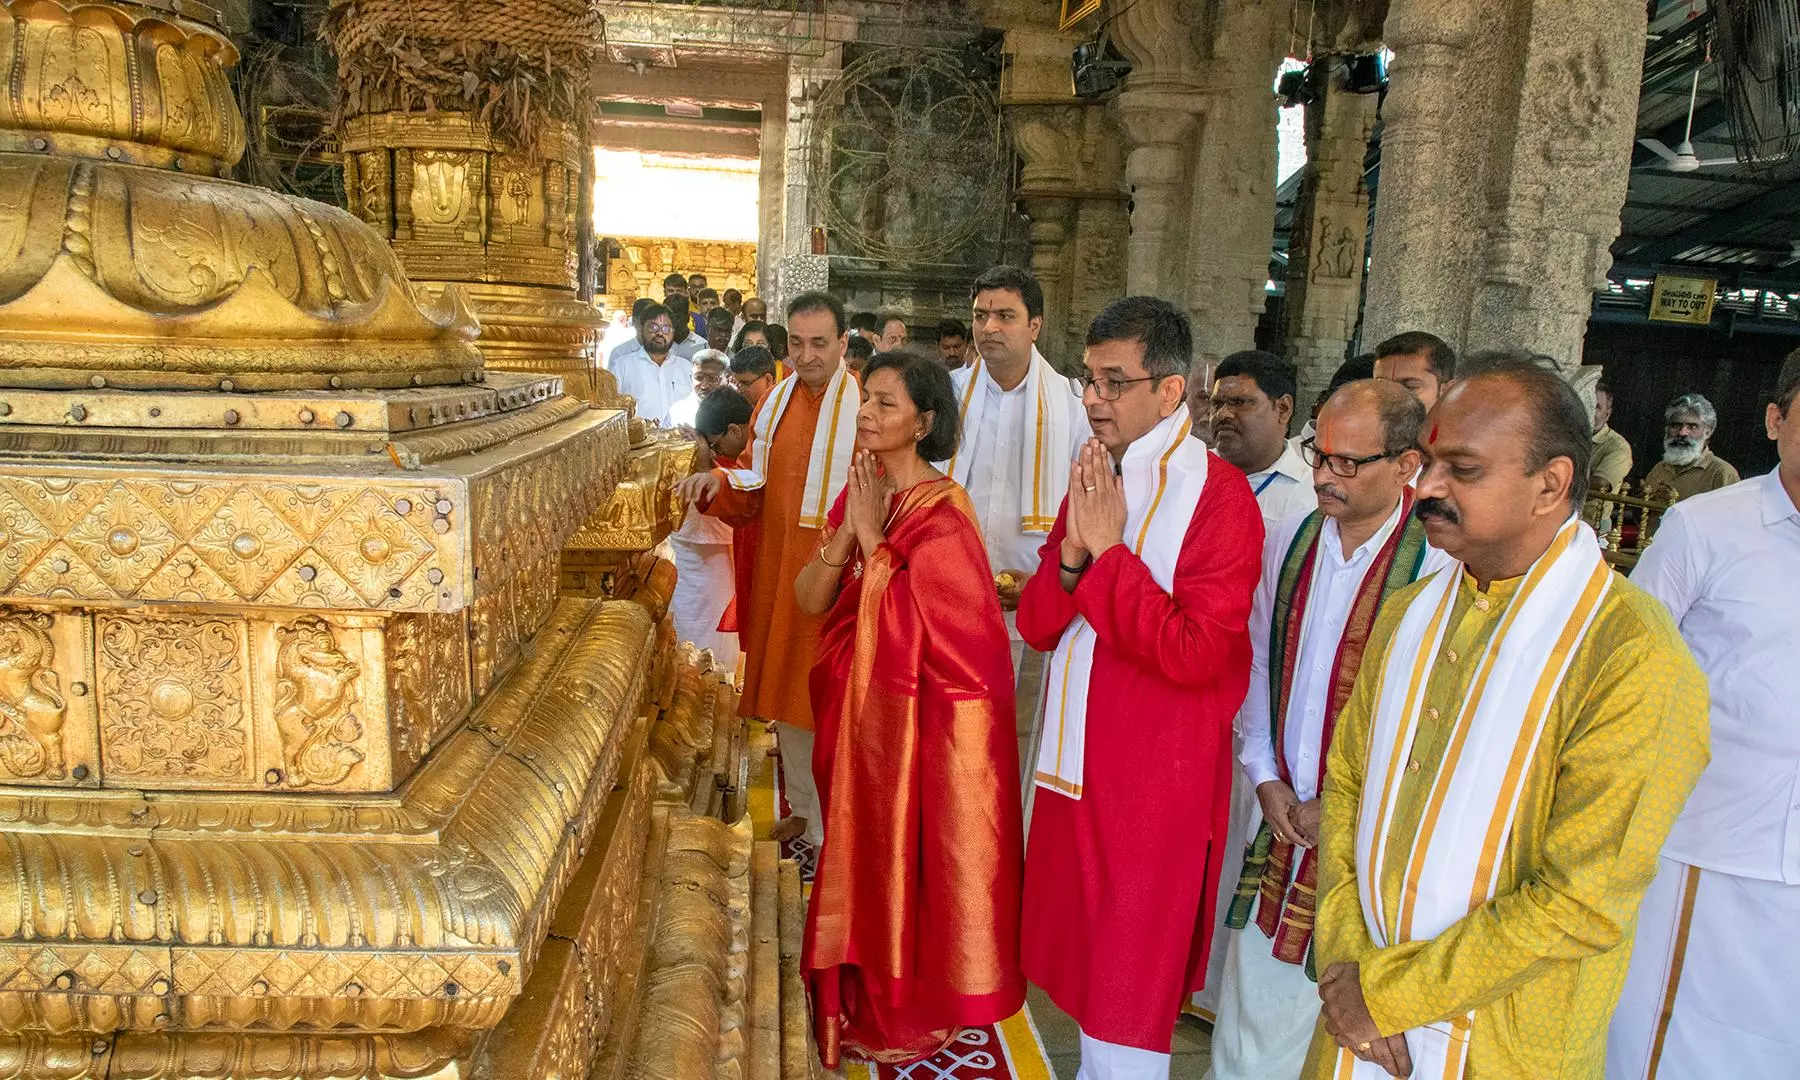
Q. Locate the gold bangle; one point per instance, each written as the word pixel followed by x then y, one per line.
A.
pixel 834 565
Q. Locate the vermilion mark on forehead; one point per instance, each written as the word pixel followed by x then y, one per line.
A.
pixel 1323 439
pixel 1434 434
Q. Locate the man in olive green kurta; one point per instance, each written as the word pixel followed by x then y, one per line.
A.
pixel 1540 963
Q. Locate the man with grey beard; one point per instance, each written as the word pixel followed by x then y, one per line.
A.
pixel 1688 467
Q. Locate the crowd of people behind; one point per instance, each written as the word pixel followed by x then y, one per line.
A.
pixel 1353 739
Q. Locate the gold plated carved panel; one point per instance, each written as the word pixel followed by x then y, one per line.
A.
pixel 328 707
pixel 174 700
pixel 114 535
pixel 428 680
pixel 149 88
pixel 46 707
pixel 643 508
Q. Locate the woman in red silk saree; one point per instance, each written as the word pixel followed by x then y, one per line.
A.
pixel 912 932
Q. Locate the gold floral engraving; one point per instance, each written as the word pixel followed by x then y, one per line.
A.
pixel 315 703
pixel 643 509
pixel 428 673
pixel 172 698
pixel 32 706
pixel 470 209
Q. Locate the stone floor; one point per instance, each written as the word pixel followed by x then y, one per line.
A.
pixel 1192 1051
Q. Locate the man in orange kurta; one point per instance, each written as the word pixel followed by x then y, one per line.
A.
pixel 804 431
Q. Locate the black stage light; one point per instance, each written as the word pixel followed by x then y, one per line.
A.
pixel 1097 68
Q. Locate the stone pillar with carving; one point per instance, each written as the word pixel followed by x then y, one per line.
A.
pixel 1070 186
pixel 465 128
pixel 1198 112
pixel 796 268
pixel 1506 140
pixel 1325 248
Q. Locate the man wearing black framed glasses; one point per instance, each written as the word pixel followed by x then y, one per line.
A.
pixel 1325 576
pixel 1142 597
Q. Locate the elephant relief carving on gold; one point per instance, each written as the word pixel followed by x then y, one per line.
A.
pixel 32 706
pixel 315 703
pixel 440 186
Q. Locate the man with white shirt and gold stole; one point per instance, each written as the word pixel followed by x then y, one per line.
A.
pixel 1521 736
pixel 1326 575
pixel 1022 422
pixel 1711 991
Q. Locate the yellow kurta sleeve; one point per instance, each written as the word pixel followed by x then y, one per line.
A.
pixel 1624 760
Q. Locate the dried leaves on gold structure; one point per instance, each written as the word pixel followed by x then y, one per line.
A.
pixel 512 63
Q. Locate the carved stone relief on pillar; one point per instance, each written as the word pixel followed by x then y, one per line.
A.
pixel 1199 119
pixel 1070 188
pixel 1505 152
pixel 1326 243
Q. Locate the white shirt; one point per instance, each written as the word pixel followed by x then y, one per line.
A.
pixel 1727 566
pixel 1307 431
pixel 619 337
pixel 696 528
pixel 1334 587
pixel 997 470
pixel 656 387
pixel 1284 488
pixel 688 346
pixel 996 464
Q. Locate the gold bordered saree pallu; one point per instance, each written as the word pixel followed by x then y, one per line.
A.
pixel 1289 900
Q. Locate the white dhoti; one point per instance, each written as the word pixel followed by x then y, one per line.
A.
pixel 1028 708
pixel 1240 829
pixel 704 583
pixel 1267 1009
pixel 1111 1061
pixel 796 745
pixel 1712 990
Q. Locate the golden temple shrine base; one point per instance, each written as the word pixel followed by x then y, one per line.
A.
pixel 309 767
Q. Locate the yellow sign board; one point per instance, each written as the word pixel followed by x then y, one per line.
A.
pixel 1073 11
pixel 1682 299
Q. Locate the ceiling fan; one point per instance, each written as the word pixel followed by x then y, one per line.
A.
pixel 1682 159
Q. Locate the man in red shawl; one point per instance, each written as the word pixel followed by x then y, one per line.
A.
pixel 1143 593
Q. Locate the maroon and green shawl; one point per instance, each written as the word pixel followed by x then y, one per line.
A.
pixel 1289 900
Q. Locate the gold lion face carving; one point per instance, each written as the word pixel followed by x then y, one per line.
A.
pixel 315 698
pixel 32 706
